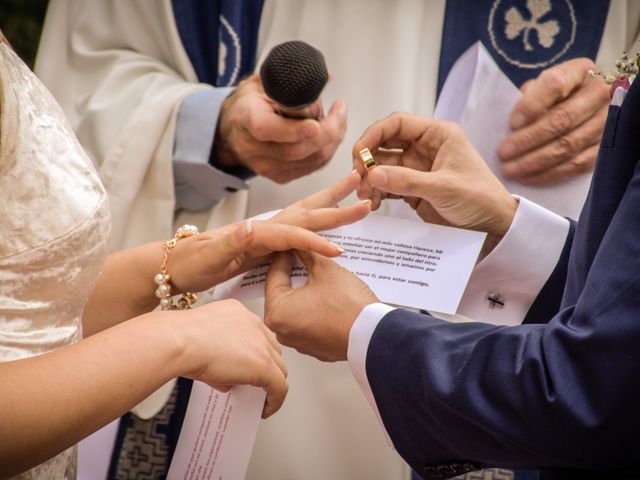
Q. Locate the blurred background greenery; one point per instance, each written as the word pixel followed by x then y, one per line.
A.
pixel 21 22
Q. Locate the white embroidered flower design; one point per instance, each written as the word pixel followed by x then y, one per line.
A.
pixel 517 24
pixel 553 23
pixel 229 54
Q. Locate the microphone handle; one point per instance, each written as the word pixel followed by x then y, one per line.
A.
pixel 313 110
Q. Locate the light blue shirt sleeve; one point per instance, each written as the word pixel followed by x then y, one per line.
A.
pixel 197 183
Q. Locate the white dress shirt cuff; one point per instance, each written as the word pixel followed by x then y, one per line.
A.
pixel 359 338
pixel 517 269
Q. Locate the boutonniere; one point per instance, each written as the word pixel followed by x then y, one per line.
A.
pixel 622 75
pixel 620 78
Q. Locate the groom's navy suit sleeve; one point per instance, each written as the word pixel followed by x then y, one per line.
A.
pixel 560 395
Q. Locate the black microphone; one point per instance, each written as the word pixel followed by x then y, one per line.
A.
pixel 293 76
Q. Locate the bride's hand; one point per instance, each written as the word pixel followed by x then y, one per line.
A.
pixel 224 344
pixel 202 261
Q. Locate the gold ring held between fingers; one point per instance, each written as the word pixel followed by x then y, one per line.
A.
pixel 367 159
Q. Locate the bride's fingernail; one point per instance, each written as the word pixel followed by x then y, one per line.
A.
pixel 245 229
pixel 338 247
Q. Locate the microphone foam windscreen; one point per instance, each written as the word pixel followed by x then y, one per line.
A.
pixel 294 74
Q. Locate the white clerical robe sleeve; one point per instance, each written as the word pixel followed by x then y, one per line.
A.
pixel 198 184
pixel 516 270
pixel 359 338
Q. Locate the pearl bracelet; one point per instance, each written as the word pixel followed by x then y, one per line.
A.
pixel 162 279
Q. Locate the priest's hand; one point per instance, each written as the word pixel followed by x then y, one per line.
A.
pixel 315 318
pixel 556 125
pixel 251 134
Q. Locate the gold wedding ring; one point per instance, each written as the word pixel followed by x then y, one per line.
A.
pixel 367 159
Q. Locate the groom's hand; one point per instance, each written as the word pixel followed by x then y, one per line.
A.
pixel 316 318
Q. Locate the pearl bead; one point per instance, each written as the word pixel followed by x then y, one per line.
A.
pixel 163 290
pixel 187 231
pixel 162 279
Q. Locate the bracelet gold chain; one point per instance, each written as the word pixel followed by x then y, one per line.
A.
pixel 162 279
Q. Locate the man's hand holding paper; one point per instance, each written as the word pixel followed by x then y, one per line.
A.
pixel 557 125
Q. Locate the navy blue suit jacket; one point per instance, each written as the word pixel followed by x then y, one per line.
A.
pixel 561 395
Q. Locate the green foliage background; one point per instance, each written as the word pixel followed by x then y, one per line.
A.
pixel 21 22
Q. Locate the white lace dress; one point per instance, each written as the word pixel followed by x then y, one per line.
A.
pixel 54 229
